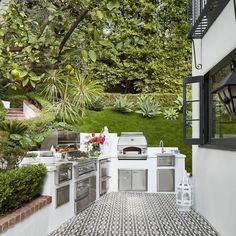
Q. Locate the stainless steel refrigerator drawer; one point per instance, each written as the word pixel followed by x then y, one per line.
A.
pixel 165 180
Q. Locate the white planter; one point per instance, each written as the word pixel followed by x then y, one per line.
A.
pixel 6 104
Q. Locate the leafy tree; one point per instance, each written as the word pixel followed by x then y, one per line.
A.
pixel 146 48
pixel 139 45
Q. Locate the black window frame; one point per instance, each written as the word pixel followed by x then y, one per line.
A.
pixel 192 80
pixel 217 143
pixel 206 120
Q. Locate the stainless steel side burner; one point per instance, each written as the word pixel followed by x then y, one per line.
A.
pixel 132 146
pixel 83 166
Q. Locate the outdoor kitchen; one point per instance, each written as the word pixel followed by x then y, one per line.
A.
pixel 125 163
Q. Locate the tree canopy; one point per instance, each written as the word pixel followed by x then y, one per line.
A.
pixel 129 46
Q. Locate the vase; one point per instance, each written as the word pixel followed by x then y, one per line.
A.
pixel 95 151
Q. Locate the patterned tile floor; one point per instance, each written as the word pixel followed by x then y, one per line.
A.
pixel 134 214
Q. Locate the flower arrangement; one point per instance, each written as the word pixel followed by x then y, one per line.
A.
pixel 93 144
pixel 96 140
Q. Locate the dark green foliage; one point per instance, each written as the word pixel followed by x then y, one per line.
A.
pixel 122 104
pixel 11 153
pixel 164 99
pixel 16 100
pixel 3 112
pixel 170 113
pixel 146 49
pixel 148 106
pixel 97 104
pixel 13 127
pixel 19 186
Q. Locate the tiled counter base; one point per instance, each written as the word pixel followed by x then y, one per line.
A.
pixel 20 214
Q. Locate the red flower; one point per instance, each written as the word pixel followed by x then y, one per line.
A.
pixel 94 140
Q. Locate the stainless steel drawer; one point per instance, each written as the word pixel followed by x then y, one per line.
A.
pixel 165 180
pixel 63 195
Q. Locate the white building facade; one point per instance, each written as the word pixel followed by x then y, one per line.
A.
pixel 213 133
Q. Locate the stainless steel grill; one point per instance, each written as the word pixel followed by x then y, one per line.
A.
pixel 132 146
pixel 63 141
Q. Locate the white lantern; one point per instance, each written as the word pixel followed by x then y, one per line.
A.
pixel 184 199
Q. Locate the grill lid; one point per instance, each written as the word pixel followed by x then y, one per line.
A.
pixel 132 139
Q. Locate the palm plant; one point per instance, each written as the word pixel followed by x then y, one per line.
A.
pixel 53 85
pixel 85 91
pixel 76 94
pixel 13 127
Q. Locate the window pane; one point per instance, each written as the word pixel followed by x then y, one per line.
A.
pixel 220 76
pixel 192 129
pixel 233 91
pixel 224 125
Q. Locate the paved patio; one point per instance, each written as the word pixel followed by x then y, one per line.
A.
pixel 127 213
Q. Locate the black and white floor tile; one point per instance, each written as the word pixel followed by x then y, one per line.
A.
pixel 136 214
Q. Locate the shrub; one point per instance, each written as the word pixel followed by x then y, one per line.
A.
pixel 148 106
pixel 171 114
pixel 96 104
pixel 165 99
pixel 123 105
pixel 13 127
pixel 19 186
pixel 179 104
pixel 16 100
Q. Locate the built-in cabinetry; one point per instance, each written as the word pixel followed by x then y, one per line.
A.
pixel 132 179
pixel 165 173
pixel 165 180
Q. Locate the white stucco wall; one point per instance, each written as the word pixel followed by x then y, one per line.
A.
pixel 28 111
pixel 215 170
pixel 36 224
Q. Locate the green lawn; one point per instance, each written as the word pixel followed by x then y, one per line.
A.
pixel 155 129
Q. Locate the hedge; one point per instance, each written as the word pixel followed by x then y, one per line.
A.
pixel 18 186
pixel 164 99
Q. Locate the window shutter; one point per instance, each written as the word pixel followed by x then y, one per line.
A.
pixel 193 110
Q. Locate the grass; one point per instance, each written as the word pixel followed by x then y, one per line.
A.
pixel 155 129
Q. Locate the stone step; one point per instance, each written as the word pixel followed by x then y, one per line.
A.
pixel 16 114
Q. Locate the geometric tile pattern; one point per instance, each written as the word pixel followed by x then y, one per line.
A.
pixel 136 214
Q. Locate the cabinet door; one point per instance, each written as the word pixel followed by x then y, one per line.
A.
pixel 166 180
pixel 125 180
pixel 139 180
pixel 92 188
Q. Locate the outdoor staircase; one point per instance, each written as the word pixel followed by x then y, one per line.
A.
pixel 15 113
